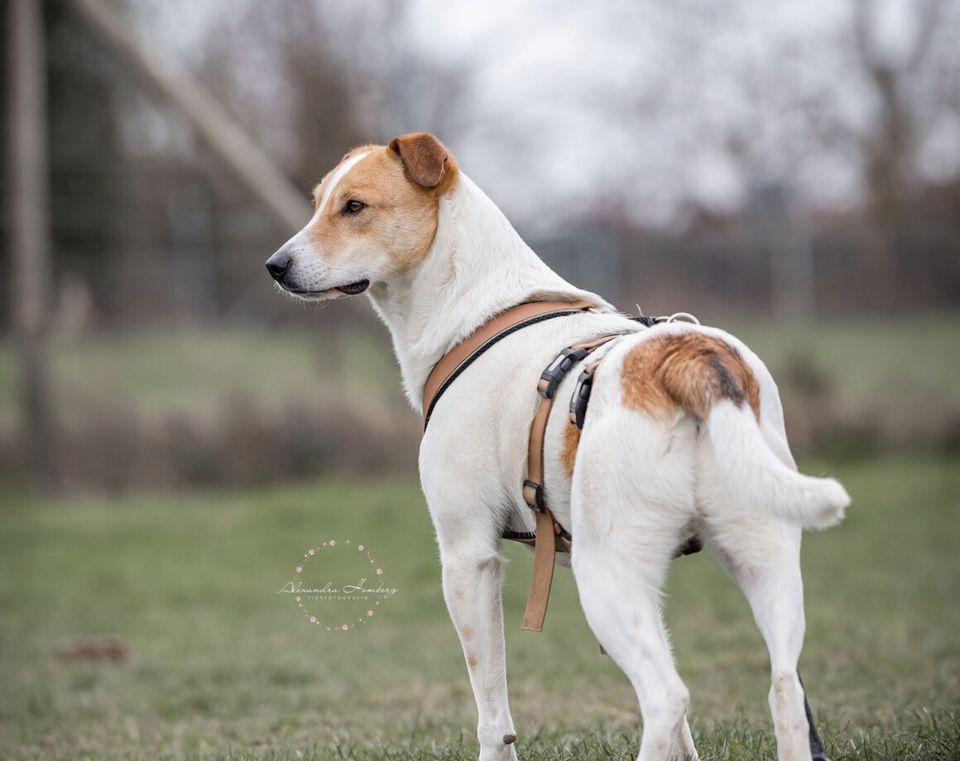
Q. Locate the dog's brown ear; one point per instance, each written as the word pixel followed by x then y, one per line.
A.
pixel 424 157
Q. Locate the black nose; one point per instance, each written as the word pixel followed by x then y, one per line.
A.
pixel 278 265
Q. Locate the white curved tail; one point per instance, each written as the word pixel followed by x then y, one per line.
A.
pixel 755 475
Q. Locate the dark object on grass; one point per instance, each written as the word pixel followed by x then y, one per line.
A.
pixel 93 650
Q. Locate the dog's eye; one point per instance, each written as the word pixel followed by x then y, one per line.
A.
pixel 353 206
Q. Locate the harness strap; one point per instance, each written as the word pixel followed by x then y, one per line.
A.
pixel 550 537
pixel 522 537
pixel 461 356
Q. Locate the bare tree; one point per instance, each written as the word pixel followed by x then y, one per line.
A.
pixel 889 148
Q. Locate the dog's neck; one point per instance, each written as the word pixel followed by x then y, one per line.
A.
pixel 477 267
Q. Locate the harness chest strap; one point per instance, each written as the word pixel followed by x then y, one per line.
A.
pixel 461 356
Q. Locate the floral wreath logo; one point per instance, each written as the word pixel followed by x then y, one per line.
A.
pixel 362 594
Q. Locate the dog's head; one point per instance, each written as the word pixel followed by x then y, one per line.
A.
pixel 375 218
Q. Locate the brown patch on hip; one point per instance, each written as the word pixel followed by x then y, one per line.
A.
pixel 692 371
pixel 571 440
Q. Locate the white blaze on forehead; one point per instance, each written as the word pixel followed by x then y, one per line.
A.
pixel 338 175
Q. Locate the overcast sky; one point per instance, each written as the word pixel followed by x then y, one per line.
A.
pixel 575 108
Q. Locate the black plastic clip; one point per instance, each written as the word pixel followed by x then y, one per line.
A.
pixel 581 398
pixel 557 370
pixel 533 495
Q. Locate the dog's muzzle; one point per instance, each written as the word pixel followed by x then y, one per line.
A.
pixel 279 266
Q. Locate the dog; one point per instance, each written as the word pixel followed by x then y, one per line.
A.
pixel 684 435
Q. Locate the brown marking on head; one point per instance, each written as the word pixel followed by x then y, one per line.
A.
pixel 467 633
pixel 394 211
pixel 688 370
pixel 375 216
pixel 471 660
pixel 458 593
pixel 571 440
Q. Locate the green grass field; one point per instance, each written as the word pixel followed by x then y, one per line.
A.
pixel 863 360
pixel 221 666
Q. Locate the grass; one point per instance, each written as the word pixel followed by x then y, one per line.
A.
pixel 221 666
pixel 158 373
pixel 191 372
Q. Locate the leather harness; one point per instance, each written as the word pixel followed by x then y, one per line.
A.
pixel 550 537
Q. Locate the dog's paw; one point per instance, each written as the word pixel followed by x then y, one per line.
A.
pixel 505 753
pixel 497 746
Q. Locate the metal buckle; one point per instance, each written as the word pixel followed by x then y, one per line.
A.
pixel 533 495
pixel 557 370
pixel 647 321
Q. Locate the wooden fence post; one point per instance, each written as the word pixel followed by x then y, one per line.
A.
pixel 30 234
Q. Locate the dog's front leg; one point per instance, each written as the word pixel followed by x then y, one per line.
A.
pixel 472 577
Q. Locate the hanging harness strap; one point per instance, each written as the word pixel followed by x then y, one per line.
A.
pixel 577 416
pixel 550 537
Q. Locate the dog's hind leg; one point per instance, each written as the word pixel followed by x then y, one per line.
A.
pixel 762 555
pixel 624 540
pixel 623 610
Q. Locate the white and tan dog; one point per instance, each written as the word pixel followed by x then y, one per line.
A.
pixel 684 434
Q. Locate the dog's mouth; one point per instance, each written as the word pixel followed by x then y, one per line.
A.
pixel 353 288
pixel 350 289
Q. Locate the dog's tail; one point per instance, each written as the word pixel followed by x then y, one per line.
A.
pixel 707 377
pixel 759 479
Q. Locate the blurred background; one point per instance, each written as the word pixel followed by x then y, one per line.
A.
pixel 777 168
pixel 788 171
